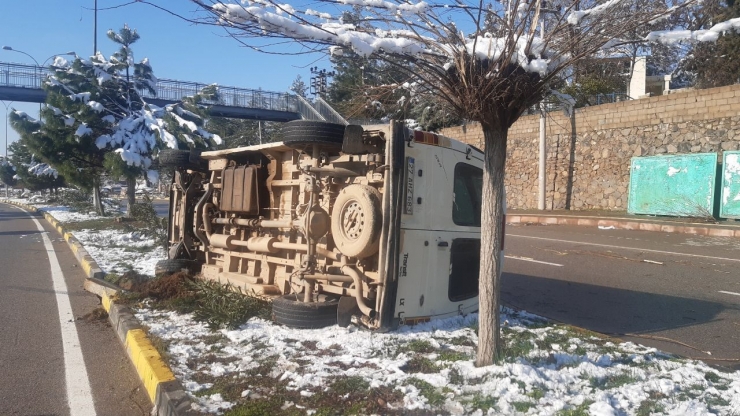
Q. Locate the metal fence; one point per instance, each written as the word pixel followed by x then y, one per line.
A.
pixel 599 99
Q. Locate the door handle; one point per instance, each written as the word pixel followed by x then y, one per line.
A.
pixel 443 244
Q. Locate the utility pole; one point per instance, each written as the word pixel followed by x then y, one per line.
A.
pixel 543 144
pixel 95 29
pixel 6 140
pixel 318 81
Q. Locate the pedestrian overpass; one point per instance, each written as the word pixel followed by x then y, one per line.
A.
pixel 23 83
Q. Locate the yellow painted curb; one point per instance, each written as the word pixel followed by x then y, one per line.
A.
pixel 106 301
pixel 149 364
pixel 86 266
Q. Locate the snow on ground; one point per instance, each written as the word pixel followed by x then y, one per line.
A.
pixel 65 214
pixel 551 368
pixel 115 251
pixel 548 369
pixel 118 251
pixel 61 213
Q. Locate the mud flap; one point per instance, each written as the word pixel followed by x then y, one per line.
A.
pixel 347 307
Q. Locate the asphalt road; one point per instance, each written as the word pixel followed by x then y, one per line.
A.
pixel 50 364
pixel 682 288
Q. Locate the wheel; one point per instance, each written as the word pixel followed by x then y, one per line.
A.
pixel 186 159
pixel 289 311
pixel 171 266
pixel 302 130
pixel 174 158
pixel 312 125
pixel 356 221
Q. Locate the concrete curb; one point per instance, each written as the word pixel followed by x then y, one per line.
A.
pixel 164 390
pixel 627 224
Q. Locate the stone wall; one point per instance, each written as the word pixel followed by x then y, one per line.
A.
pixel 588 156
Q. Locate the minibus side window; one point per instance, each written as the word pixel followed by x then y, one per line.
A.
pixel 466 199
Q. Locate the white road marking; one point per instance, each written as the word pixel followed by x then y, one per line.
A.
pixel 729 293
pixel 624 248
pixel 79 395
pixel 533 260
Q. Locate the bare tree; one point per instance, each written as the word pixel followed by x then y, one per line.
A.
pixel 487 60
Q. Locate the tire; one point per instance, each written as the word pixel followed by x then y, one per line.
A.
pixel 302 130
pixel 171 266
pixel 288 311
pixel 174 158
pixel 310 124
pixel 186 159
pixel 356 221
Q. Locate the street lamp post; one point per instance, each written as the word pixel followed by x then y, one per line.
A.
pixel 6 139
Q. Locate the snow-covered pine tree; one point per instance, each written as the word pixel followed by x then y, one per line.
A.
pixel 96 119
pixel 7 174
pixel 31 174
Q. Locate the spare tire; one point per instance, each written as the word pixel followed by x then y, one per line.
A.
pixel 356 221
pixel 289 311
pixel 172 266
pixel 316 130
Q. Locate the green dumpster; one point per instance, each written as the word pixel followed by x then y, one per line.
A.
pixel 675 185
pixel 729 204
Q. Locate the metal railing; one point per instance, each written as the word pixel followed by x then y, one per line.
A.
pixel 21 75
pixel 327 112
pixel 307 111
pixel 31 76
pixel 615 97
pixel 552 104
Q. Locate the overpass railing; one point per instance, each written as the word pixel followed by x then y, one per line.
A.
pixel 22 76
pixel 31 76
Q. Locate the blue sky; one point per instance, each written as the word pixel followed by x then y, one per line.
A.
pixel 176 49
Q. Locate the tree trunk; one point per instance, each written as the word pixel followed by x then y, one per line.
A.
pixel 130 195
pixel 97 202
pixel 492 229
